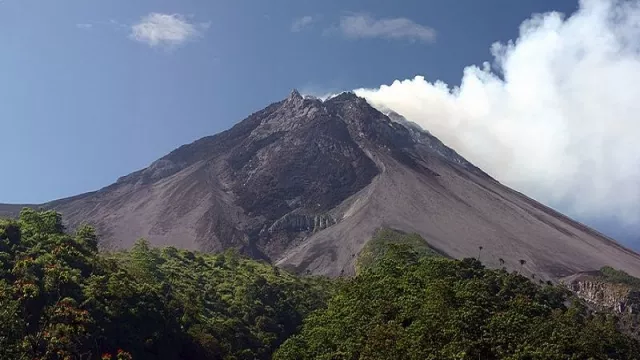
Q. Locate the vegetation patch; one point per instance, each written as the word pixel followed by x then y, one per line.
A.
pixel 62 299
pixel 377 247
pixel 615 276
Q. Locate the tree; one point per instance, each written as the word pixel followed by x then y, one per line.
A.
pixel 143 260
pixel 479 251
pixel 86 236
pixel 522 262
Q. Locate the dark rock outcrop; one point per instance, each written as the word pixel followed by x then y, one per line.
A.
pixel 603 294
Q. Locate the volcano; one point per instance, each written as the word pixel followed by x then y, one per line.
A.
pixel 305 183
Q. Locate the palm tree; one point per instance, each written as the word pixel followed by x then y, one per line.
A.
pixel 479 252
pixel 501 261
pixel 522 262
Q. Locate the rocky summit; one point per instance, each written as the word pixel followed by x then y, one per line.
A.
pixel 304 183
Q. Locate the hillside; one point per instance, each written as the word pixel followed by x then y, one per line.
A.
pixel 410 306
pixel 62 299
pixel 305 183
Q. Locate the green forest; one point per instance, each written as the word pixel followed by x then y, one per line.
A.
pixel 62 298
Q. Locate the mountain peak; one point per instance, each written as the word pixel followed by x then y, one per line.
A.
pixel 345 96
pixel 304 182
pixel 294 94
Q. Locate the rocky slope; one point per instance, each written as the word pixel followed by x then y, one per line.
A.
pixel 605 293
pixel 305 183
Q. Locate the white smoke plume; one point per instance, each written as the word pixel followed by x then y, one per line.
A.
pixel 556 115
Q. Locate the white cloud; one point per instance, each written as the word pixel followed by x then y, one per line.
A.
pixel 365 26
pixel 84 26
pixel 558 117
pixel 302 22
pixel 169 30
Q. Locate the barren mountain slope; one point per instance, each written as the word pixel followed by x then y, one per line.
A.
pixel 10 210
pixel 306 182
pixel 457 212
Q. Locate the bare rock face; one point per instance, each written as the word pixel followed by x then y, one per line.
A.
pixel 305 183
pixel 300 222
pixel 619 298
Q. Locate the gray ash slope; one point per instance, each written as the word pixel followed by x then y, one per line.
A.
pixel 305 183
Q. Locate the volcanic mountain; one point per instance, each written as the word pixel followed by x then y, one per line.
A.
pixel 305 183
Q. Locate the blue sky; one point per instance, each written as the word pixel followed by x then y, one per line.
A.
pixel 84 103
pixel 93 90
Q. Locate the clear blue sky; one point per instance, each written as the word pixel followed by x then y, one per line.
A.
pixel 83 102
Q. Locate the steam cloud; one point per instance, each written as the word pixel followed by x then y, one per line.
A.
pixel 556 115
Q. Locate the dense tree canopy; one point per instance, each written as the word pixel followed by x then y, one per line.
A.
pixel 62 299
